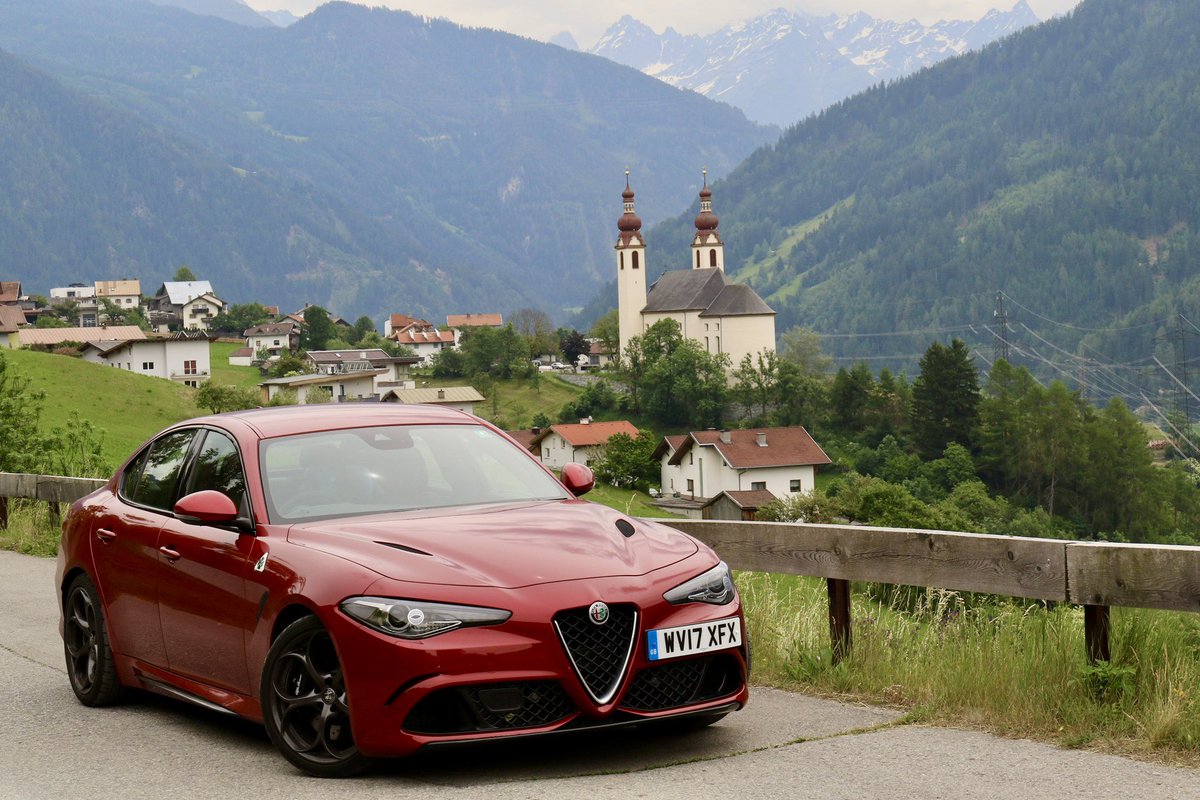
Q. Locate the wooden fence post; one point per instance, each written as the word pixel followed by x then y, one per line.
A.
pixel 1095 633
pixel 839 617
pixel 3 513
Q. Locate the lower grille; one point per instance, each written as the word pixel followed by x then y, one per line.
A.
pixel 599 653
pixel 490 707
pixel 682 683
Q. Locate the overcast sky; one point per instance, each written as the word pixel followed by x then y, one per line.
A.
pixel 587 19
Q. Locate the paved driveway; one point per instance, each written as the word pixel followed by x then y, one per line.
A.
pixel 782 745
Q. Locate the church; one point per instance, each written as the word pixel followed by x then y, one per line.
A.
pixel 723 317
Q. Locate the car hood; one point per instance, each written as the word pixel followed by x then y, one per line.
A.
pixel 500 546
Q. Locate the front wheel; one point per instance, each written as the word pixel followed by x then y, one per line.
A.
pixel 90 664
pixel 304 702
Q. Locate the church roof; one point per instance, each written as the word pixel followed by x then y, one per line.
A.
pixel 685 290
pixel 704 290
pixel 737 300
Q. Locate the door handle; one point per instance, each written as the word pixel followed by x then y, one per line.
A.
pixel 170 552
pixel 105 535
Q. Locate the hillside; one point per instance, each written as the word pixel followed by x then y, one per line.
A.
pixel 89 192
pixel 489 163
pixel 1059 166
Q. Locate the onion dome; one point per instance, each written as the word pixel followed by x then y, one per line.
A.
pixel 629 222
pixel 706 220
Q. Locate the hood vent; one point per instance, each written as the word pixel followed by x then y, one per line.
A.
pixel 405 548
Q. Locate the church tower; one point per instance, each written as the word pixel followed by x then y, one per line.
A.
pixel 708 252
pixel 631 270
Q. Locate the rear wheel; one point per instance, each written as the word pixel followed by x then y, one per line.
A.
pixel 90 664
pixel 304 702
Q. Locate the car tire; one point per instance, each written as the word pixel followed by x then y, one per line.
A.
pixel 304 703
pixel 90 664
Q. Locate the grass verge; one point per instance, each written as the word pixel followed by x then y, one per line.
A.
pixel 1006 666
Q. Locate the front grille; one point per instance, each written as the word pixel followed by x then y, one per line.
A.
pixel 599 653
pixel 681 683
pixel 490 707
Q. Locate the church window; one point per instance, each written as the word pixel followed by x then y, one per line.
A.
pixel 712 258
pixel 635 259
pixel 622 261
pixel 718 344
pixel 706 347
pixel 697 259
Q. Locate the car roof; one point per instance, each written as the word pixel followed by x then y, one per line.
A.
pixel 289 420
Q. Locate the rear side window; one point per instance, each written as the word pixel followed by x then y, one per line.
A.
pixel 151 479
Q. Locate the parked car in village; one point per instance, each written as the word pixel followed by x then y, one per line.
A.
pixel 368 580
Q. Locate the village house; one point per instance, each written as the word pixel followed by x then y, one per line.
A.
pixel 459 322
pixel 319 388
pixel 267 341
pixel 124 294
pixel 721 316
pixel 183 304
pixel 424 339
pixel 52 337
pixel 10 293
pixel 700 465
pixel 597 356
pixel 396 322
pixel 462 398
pixel 580 443
pixel 11 318
pixel 392 371
pixel 182 357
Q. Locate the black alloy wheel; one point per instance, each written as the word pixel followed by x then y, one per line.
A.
pixel 90 664
pixel 304 702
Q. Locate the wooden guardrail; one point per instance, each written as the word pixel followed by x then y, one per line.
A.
pixel 1095 575
pixel 54 489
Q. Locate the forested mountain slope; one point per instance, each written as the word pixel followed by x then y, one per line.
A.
pixel 1060 166
pixel 89 192
pixel 497 157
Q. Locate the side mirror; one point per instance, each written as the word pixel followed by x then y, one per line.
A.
pixel 206 507
pixel 578 478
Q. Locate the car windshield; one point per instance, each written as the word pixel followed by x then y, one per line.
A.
pixel 396 468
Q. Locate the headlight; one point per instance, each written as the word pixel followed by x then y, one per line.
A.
pixel 416 619
pixel 714 586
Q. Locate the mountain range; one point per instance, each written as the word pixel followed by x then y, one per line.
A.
pixel 781 66
pixel 472 170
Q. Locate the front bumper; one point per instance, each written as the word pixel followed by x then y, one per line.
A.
pixel 516 679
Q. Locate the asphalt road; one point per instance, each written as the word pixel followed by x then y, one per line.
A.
pixel 782 745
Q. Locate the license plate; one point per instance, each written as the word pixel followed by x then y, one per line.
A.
pixel 687 640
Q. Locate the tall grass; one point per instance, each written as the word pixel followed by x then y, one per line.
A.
pixel 31 530
pixel 1007 666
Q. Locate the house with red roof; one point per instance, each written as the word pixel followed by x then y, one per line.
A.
pixel 581 443
pixel 701 465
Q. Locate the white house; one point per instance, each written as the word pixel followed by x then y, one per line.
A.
pixel 272 338
pixel 324 388
pixel 199 311
pixel 175 304
pixel 721 316
pixel 181 357
pixel 75 291
pixel 462 398
pixel 425 340
pixel 702 464
pixel 580 443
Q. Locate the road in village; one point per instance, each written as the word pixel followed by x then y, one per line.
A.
pixel 783 745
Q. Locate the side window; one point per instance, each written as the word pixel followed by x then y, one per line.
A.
pixel 219 467
pixel 150 480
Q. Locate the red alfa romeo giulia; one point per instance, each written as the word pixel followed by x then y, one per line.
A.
pixel 367 580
